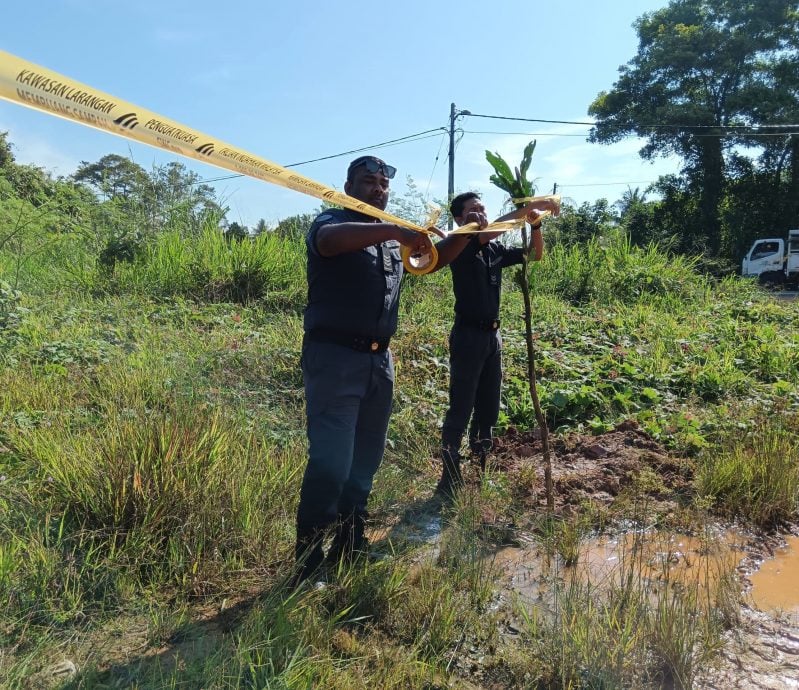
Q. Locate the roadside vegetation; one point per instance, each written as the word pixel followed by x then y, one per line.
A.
pixel 152 432
pixel 152 444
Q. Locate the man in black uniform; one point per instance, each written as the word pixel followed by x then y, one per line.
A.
pixel 354 273
pixel 475 343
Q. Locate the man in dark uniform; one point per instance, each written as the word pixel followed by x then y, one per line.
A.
pixel 475 343
pixel 354 273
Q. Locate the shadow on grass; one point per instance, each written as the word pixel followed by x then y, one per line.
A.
pixel 191 652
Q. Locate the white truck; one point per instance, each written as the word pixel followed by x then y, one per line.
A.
pixel 774 260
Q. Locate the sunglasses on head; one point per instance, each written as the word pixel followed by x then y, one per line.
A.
pixel 374 166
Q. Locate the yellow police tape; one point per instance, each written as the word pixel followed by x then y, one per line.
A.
pixel 419 264
pixel 42 89
pixel 424 263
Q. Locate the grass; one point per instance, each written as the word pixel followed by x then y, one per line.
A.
pixel 642 624
pixel 152 442
pixel 755 478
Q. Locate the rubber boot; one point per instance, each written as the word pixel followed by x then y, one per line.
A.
pixel 349 539
pixel 481 448
pixel 308 554
pixel 451 478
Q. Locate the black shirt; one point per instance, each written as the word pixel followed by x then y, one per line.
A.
pixel 477 277
pixel 356 292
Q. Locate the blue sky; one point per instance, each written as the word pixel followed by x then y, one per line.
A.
pixel 293 81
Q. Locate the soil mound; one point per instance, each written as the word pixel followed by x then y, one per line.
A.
pixel 599 467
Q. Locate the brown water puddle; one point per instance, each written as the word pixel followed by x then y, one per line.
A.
pixel 775 586
pixel 669 558
pixel 650 557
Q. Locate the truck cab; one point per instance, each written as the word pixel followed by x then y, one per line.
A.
pixel 774 261
pixel 766 256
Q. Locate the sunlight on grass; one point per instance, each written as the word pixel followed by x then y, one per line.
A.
pixel 152 443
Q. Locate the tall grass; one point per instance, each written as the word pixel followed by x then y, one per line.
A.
pixel 756 477
pixel 174 499
pixel 610 269
pixel 212 268
pixel 152 442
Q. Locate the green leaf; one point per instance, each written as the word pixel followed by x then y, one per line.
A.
pixel 502 183
pixel 527 157
pixel 522 185
pixel 500 167
pixel 650 394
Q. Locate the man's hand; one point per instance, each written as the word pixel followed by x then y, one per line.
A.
pixel 417 242
pixel 534 217
pixel 545 205
pixel 476 217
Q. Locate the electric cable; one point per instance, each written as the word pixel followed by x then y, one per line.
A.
pixel 653 126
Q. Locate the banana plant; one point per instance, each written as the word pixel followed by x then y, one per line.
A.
pixel 519 187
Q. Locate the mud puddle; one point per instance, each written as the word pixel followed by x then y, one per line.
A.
pixel 775 585
pixel 653 558
pixel 762 650
pixel 614 472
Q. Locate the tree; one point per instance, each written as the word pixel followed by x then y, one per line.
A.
pixel 112 176
pixel 518 187
pixel 236 232
pixel 775 99
pixel 176 197
pixel 699 62
pixel 413 206
pixel 576 225
pixel 636 217
pixel 139 204
pixel 6 156
pixel 295 227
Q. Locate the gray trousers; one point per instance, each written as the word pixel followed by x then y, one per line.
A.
pixel 348 397
pixel 475 381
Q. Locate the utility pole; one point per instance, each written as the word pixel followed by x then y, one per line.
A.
pixel 453 115
pixel 451 185
pixel 555 188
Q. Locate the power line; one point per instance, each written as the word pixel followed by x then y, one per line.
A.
pixel 419 136
pixel 605 184
pixel 217 179
pixel 367 148
pixel 655 126
pixel 530 119
pixel 435 165
pixel 523 134
pixel 624 136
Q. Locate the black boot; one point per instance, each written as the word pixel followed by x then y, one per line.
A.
pixel 451 478
pixel 480 449
pixel 349 540
pixel 308 554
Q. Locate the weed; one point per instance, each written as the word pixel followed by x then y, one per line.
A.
pixel 756 477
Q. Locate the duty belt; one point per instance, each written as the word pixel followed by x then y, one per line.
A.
pixel 361 343
pixel 479 324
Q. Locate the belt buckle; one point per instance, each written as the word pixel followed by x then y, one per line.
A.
pixel 374 346
pixel 494 325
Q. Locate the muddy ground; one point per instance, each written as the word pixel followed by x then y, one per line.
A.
pixel 607 470
pixel 615 472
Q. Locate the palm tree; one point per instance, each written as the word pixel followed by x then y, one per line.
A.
pixel 629 200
